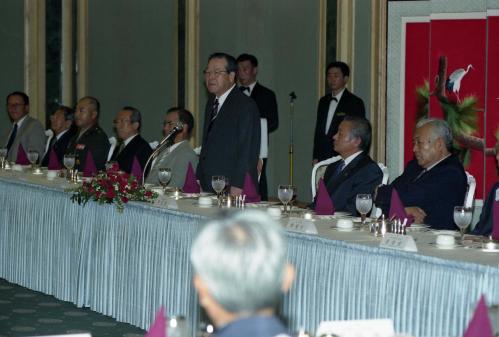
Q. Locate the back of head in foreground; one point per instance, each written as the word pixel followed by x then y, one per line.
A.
pixel 240 266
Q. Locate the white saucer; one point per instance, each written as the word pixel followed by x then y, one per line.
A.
pixel 445 247
pixel 445 232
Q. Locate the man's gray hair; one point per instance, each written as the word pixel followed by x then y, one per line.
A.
pixel 242 261
pixel 439 129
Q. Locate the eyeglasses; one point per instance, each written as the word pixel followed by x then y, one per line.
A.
pixel 15 105
pixel 121 121
pixel 170 123
pixel 216 73
pixel 420 143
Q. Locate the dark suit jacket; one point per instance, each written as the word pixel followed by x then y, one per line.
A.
pixel 95 140
pixel 349 104
pixel 437 192
pixel 138 147
pixel 361 176
pixel 232 146
pixel 267 105
pixel 60 147
pixel 484 225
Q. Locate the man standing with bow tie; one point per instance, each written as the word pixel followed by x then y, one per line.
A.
pixel 26 131
pixel 61 123
pixel 231 133
pixel 332 108
pixel 267 106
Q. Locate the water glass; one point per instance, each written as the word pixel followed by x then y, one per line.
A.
pixel 164 176
pixel 285 194
pixel 32 157
pixel 462 218
pixel 3 155
pixel 69 161
pixel 218 184
pixel 363 203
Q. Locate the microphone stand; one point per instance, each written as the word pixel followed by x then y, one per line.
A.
pixel 163 144
pixel 292 98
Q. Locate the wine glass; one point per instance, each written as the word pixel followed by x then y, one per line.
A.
pixel 462 218
pixel 164 176
pixel 3 155
pixel 69 162
pixel 285 194
pixel 218 184
pixel 363 203
pixel 32 157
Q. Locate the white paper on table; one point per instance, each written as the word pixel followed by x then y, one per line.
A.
pixel 301 225
pixel 357 328
pixel 264 139
pixel 165 202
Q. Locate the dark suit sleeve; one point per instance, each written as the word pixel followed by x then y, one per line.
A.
pixel 365 183
pixel 484 225
pixel 272 115
pixel 99 146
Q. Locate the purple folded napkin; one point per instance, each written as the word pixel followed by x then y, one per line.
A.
pixel 190 184
pixel 495 220
pixel 136 170
pixel 89 170
pixel 158 327
pixel 480 325
pixel 323 203
pixel 54 163
pixel 397 209
pixel 22 158
pixel 249 190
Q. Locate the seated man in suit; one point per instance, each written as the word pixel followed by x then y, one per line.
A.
pixel 241 273
pixel 61 123
pixel 90 136
pixel 485 224
pixel 356 173
pixel 26 131
pixel 433 183
pixel 127 126
pixel 332 108
pixel 178 156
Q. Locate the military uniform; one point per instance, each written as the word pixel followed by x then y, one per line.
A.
pixel 95 140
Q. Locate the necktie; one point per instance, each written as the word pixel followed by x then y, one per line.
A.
pixel 12 137
pixel 339 168
pixel 332 109
pixel 214 109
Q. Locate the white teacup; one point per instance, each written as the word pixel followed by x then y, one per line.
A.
pixel 344 223
pixel 205 201
pixel 51 174
pixel 274 212
pixel 445 240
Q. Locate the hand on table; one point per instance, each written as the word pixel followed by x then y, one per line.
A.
pixel 418 214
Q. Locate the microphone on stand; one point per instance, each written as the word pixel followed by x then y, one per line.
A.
pixel 165 141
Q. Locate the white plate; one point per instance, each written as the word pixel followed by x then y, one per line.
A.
pixel 454 246
pixel 339 229
pixel 445 232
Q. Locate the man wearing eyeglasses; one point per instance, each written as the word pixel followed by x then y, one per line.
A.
pixel 26 131
pixel 131 145
pixel 177 156
pixel 231 137
pixel 434 182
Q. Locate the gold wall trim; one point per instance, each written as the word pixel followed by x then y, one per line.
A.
pixel 321 61
pixel 346 35
pixel 378 77
pixel 192 69
pixel 67 65
pixel 82 48
pixel 34 57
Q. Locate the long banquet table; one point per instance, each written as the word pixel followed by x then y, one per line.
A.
pixel 127 265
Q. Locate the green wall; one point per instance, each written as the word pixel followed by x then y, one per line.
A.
pixel 132 59
pixel 11 57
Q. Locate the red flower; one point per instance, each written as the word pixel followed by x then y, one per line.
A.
pixel 124 199
pixel 148 193
pixel 110 193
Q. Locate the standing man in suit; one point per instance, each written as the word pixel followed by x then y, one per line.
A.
pixel 90 136
pixel 231 136
pixel 267 106
pixel 127 126
pixel 61 123
pixel 332 108
pixel 433 183
pixel 26 131
pixel 178 156
pixel 356 173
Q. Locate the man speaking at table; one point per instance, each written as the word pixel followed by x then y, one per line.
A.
pixel 241 274
pixel 433 183
pixel 231 137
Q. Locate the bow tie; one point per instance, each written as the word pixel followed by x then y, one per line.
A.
pixel 334 99
pixel 243 89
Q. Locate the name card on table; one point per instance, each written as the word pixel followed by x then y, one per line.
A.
pixel 399 242
pixel 357 328
pixel 300 225
pixel 165 202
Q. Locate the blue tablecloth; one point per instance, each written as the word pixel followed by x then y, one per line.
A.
pixel 127 265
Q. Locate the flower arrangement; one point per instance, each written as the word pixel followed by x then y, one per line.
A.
pixel 112 187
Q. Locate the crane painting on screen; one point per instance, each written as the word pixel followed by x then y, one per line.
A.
pixel 453 83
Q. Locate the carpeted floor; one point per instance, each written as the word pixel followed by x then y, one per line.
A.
pixel 24 312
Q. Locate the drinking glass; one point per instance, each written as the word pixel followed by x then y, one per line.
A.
pixel 3 155
pixel 363 203
pixel 218 184
pixel 462 218
pixel 285 194
pixel 69 162
pixel 32 157
pixel 164 176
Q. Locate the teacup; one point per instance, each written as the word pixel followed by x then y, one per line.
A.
pixel 274 212
pixel 51 174
pixel 344 223
pixel 445 240
pixel 205 201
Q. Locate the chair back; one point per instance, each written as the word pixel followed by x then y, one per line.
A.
pixel 113 142
pixel 376 212
pixel 470 192
pixel 154 144
pixel 318 172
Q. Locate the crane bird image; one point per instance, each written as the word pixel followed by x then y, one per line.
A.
pixel 453 83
